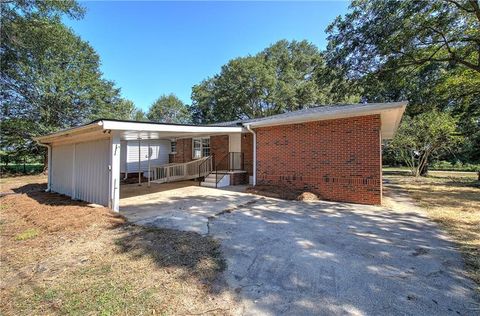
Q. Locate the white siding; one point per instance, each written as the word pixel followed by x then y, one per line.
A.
pixel 81 171
pixel 159 150
pixel 123 155
pixel 91 171
pixel 62 171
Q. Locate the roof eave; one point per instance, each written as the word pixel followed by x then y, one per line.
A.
pixel 133 126
pixel 94 126
pixel 371 109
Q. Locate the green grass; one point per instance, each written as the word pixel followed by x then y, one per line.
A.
pixel 27 234
pixel 405 171
pixel 30 168
pixel 94 292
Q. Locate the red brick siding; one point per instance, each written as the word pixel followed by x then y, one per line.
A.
pixel 247 150
pixel 238 178
pixel 219 147
pixel 184 151
pixel 339 160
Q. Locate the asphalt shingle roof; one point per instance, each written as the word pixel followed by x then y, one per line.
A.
pixel 314 109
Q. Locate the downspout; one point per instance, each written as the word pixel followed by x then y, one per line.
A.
pixel 49 167
pixel 254 154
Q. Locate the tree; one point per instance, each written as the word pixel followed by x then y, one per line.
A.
pixel 50 77
pixel 284 77
pixel 169 109
pixel 139 115
pixel 420 138
pixel 406 33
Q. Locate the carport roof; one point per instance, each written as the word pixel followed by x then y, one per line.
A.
pixel 391 114
pixel 133 130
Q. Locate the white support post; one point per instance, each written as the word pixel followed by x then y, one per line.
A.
pixel 148 154
pixel 139 161
pixel 114 172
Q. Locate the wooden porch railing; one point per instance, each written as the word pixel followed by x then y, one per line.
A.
pixel 180 171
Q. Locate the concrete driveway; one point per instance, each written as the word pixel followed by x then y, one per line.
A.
pixel 305 258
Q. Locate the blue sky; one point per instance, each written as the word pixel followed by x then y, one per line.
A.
pixel 154 48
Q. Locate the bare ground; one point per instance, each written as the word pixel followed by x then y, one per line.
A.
pixel 59 256
pixel 452 200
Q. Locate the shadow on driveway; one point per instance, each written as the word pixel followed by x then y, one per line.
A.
pixel 304 258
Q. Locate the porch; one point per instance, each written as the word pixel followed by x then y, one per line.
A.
pixel 209 171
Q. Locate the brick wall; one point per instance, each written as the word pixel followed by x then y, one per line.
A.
pixel 340 160
pixel 219 147
pixel 238 178
pixel 184 151
pixel 247 150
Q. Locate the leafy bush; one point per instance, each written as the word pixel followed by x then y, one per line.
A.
pixel 456 166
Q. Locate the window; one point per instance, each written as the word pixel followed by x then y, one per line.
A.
pixel 173 147
pixel 201 147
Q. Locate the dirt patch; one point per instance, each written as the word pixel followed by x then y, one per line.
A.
pixel 34 182
pixel 283 193
pixel 65 257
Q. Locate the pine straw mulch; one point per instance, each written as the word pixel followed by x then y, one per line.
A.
pixel 59 256
pixel 283 193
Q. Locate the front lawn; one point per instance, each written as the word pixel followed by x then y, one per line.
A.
pixel 59 256
pixel 451 199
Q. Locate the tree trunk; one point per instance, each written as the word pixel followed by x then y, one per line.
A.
pixel 424 170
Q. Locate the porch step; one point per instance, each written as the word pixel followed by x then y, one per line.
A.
pixel 208 184
pixel 211 180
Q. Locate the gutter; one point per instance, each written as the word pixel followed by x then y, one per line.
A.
pixel 247 126
pixel 49 167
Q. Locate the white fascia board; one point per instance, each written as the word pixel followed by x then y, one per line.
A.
pixel 374 108
pixel 391 114
pixel 71 132
pixel 390 121
pixel 146 127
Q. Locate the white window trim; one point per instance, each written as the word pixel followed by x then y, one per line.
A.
pixel 174 152
pixel 201 146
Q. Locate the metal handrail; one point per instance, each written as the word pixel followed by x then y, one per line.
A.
pixel 206 164
pixel 231 166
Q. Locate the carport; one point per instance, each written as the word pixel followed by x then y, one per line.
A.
pixel 84 162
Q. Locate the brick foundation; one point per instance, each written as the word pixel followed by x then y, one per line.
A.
pixel 237 178
pixel 340 160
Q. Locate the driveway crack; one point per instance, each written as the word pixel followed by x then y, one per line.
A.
pixel 228 211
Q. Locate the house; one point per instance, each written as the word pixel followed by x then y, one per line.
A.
pixel 334 151
pixel 136 154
